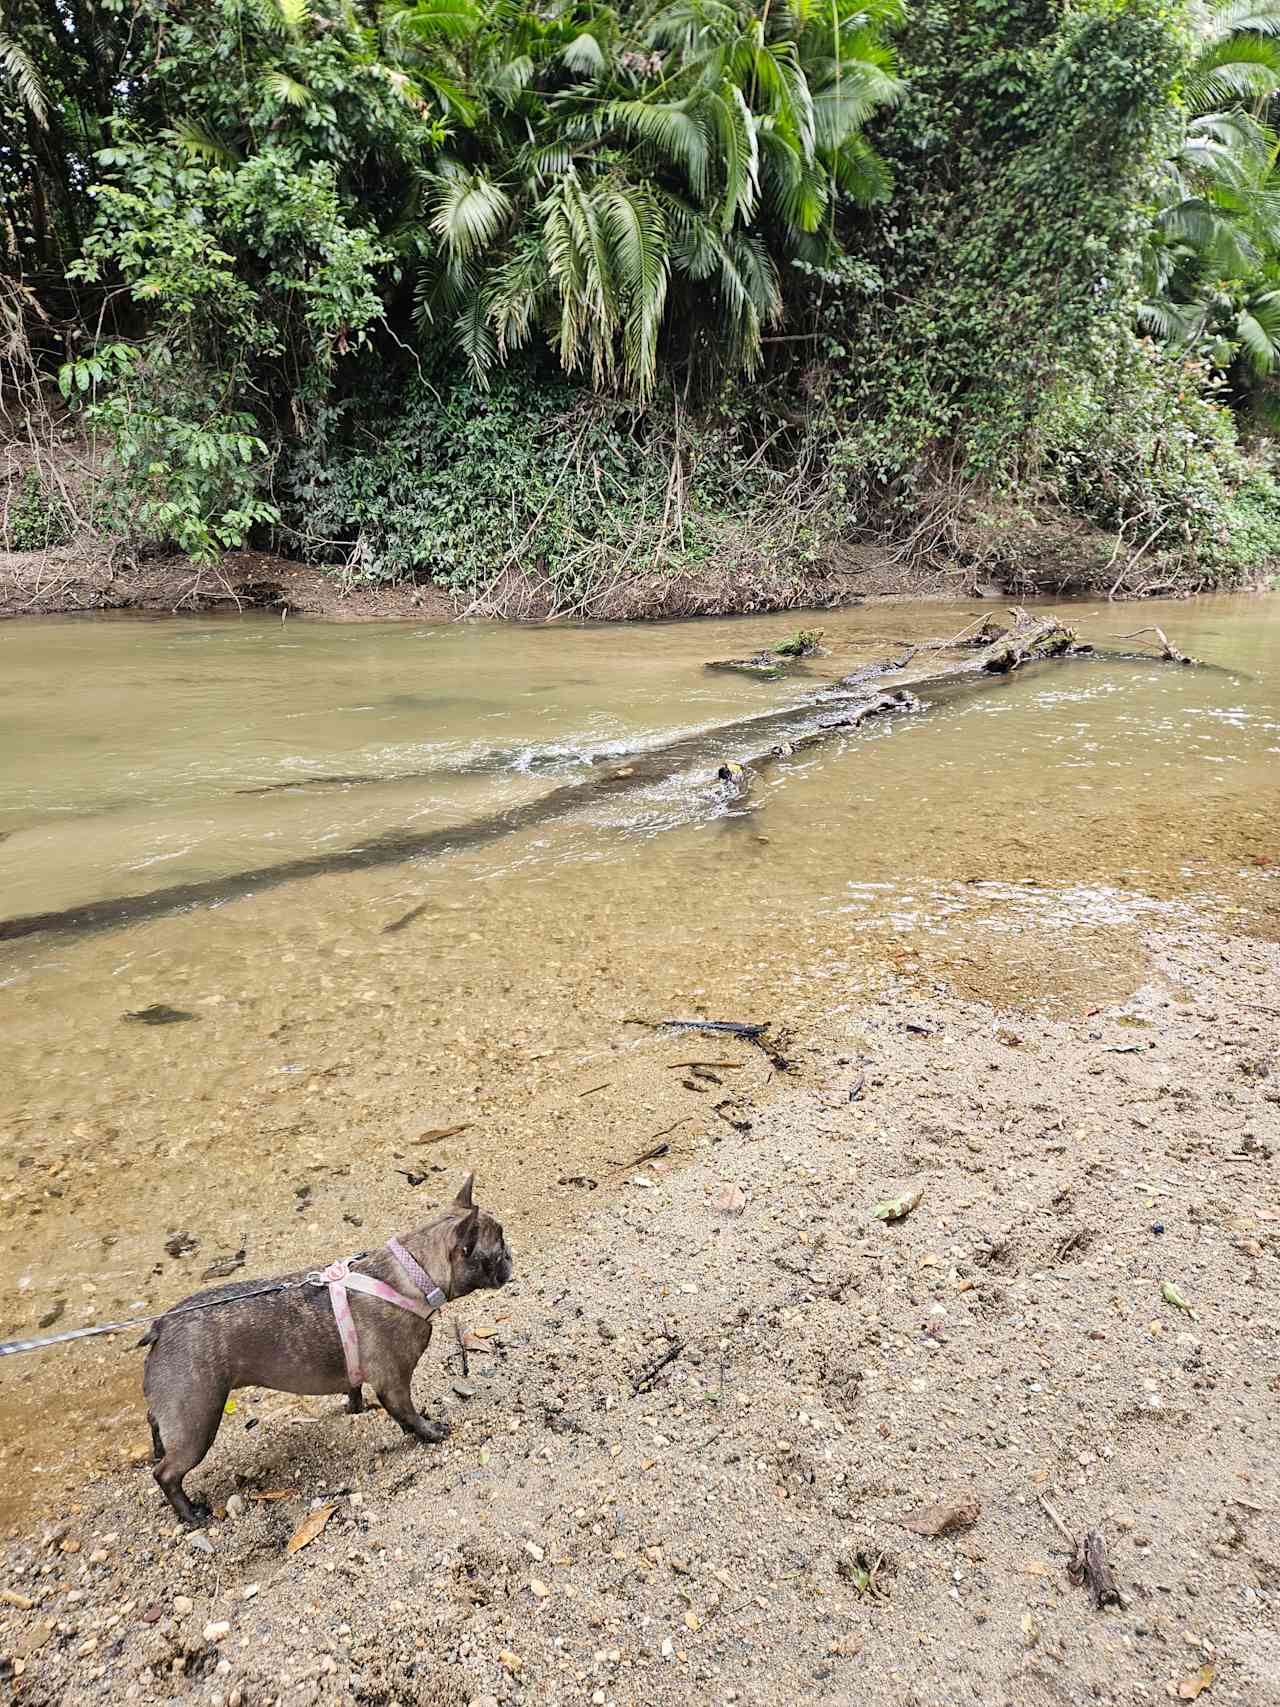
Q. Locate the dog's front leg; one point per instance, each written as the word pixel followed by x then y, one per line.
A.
pixel 398 1403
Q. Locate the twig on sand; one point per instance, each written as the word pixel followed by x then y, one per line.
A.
pixel 462 1350
pixel 658 1149
pixel 639 1384
pixel 1056 1521
pixel 673 1065
pixel 1088 1565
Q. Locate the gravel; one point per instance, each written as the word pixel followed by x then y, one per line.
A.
pixel 732 1532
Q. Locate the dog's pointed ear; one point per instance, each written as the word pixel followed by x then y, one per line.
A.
pixel 463 1199
pixel 467 1232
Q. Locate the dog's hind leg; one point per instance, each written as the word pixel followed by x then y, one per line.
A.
pixel 355 1401
pixel 157 1445
pixel 187 1432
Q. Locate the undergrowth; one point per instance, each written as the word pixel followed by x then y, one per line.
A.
pixel 34 517
pixel 531 476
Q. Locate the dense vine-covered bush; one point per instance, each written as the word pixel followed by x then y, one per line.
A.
pixel 1007 263
pixel 460 482
pixel 34 517
pixel 1148 450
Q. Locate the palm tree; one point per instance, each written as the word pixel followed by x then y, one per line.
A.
pixel 1212 262
pixel 622 194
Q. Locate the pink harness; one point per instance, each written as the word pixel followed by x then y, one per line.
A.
pixel 339 1279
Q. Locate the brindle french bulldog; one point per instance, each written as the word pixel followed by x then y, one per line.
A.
pixel 289 1340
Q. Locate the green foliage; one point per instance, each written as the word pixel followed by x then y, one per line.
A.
pixel 802 644
pixel 35 517
pixel 925 239
pixel 1142 449
pixel 1149 450
pixel 1008 260
pixel 1212 260
pixel 462 484
pixel 183 468
pixel 628 193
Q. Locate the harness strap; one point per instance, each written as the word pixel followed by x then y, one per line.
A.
pixel 340 1280
pixel 418 1275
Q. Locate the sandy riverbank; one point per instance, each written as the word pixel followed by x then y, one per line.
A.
pixel 89 576
pixel 710 1538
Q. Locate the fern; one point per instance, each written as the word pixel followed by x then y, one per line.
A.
pixel 199 141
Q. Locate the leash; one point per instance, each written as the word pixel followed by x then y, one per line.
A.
pixel 8 1348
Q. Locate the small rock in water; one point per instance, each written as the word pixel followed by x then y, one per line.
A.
pixel 235 1506
pixel 200 1541
pixel 216 1632
pixel 160 1014
pixel 183 1606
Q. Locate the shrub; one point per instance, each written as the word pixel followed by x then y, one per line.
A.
pixel 35 516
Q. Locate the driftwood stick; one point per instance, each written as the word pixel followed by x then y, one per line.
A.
pixel 1056 1521
pixel 1170 652
pixel 1089 1566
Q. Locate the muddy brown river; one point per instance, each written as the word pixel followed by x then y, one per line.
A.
pixel 224 782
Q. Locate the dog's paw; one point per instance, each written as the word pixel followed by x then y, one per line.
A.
pixel 434 1432
pixel 198 1516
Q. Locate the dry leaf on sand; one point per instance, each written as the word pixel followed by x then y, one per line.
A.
pixel 942 1519
pixel 310 1527
pixel 434 1134
pixel 894 1208
pixel 1194 1686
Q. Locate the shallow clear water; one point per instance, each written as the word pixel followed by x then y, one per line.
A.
pixel 1070 805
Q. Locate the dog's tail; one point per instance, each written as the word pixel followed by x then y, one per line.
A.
pixel 151 1336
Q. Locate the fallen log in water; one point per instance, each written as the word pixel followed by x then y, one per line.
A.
pixel 760 741
pixel 1168 651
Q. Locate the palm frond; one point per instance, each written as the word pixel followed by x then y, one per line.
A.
pixel 20 69
pixel 514 293
pixel 671 130
pixel 283 17
pixel 467 208
pixel 511 78
pixel 431 21
pixel 735 130
pixel 637 232
pixel 198 140
pixel 860 172
pixel 281 87
pixel 474 336
pixel 1258 342
pixel 584 55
